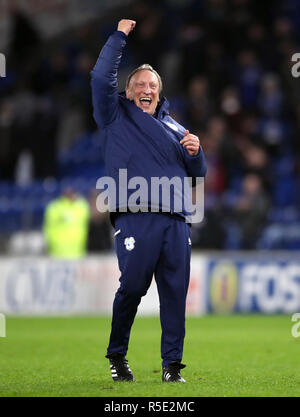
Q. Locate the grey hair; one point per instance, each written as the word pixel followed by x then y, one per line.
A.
pixel 141 68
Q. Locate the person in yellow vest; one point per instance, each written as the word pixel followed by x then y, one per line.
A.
pixel 66 224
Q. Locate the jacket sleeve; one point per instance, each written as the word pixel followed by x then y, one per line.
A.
pixel 196 165
pixel 104 80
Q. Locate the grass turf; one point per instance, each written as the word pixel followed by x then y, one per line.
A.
pixel 225 356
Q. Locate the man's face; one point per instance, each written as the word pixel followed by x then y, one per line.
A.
pixel 143 89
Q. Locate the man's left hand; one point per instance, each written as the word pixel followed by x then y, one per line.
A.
pixel 191 143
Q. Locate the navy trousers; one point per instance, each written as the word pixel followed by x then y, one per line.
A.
pixel 147 244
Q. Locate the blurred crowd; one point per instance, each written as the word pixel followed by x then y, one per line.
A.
pixel 226 69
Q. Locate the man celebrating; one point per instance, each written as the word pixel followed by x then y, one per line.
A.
pixel 140 136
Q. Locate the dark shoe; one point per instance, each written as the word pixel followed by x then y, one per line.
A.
pixel 171 373
pixel 119 368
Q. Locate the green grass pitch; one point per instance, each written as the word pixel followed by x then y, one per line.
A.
pixel 236 356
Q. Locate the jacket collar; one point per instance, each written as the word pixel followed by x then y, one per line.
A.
pixel 154 130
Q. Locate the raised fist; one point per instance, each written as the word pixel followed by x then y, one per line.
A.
pixel 126 26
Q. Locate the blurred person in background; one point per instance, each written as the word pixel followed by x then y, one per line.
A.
pixel 230 107
pixel 255 160
pixel 66 225
pixel 250 210
pixel 199 103
pixel 270 100
pixel 210 234
pixel 100 229
pixel 249 73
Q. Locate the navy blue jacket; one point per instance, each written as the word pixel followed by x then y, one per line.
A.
pixel 146 146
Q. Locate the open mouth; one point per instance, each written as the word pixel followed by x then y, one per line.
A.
pixel 145 101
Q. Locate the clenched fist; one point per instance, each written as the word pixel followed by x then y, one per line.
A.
pixel 191 143
pixel 126 26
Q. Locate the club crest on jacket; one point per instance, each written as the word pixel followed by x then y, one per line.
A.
pixel 129 243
